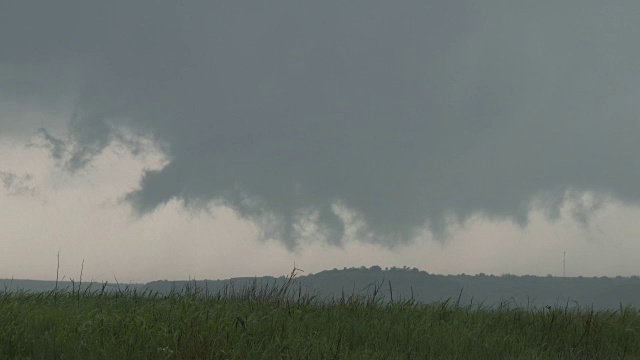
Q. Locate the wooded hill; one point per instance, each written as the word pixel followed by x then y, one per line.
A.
pixel 405 283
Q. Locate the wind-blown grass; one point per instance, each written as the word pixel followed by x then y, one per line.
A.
pixel 284 322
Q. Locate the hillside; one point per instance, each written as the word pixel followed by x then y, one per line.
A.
pixel 405 283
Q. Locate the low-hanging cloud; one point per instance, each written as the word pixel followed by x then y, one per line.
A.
pixel 405 113
pixel 16 185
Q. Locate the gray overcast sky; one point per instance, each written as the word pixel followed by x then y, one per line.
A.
pixel 425 133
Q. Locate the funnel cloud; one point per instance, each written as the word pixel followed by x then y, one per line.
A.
pixel 403 116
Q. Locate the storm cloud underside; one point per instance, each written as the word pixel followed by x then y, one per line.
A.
pixel 406 113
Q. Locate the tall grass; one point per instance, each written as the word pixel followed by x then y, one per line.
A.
pixel 283 322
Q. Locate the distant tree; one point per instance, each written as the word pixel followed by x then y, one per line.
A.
pixel 375 268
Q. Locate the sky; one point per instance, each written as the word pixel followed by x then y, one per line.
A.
pixel 173 140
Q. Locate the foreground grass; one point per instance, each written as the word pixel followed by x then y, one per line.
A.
pixel 285 323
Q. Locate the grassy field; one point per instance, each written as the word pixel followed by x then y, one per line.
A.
pixel 284 323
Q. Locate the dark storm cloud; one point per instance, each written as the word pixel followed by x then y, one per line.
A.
pixel 57 147
pixel 405 112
